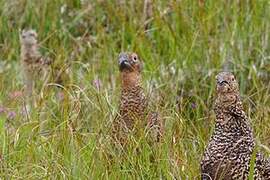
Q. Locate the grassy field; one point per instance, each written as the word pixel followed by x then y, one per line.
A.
pixel 183 45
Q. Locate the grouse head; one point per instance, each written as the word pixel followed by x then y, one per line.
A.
pixel 227 89
pixel 129 62
pixel 130 67
pixel 28 37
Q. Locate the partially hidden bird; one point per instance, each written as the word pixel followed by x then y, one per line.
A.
pixel 231 152
pixel 34 65
pixel 134 108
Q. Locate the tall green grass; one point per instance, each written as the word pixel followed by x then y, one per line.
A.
pixel 185 45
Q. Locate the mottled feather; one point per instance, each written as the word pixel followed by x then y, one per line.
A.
pixel 230 149
pixel 133 108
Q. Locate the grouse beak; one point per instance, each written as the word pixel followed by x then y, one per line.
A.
pixel 220 81
pixel 123 62
pixel 222 84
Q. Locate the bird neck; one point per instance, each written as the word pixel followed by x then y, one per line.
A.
pixel 225 103
pixel 30 50
pixel 230 116
pixel 130 80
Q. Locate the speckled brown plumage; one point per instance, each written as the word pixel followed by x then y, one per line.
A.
pixel 133 109
pixel 229 152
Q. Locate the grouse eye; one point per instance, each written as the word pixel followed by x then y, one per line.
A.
pixel 134 58
pixel 233 79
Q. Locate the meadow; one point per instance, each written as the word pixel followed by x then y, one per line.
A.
pixel 183 44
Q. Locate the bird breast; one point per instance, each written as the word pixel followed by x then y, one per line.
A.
pixel 133 102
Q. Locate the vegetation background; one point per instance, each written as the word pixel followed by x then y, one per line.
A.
pixel 183 45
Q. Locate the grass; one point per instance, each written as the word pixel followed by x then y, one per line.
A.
pixel 186 44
